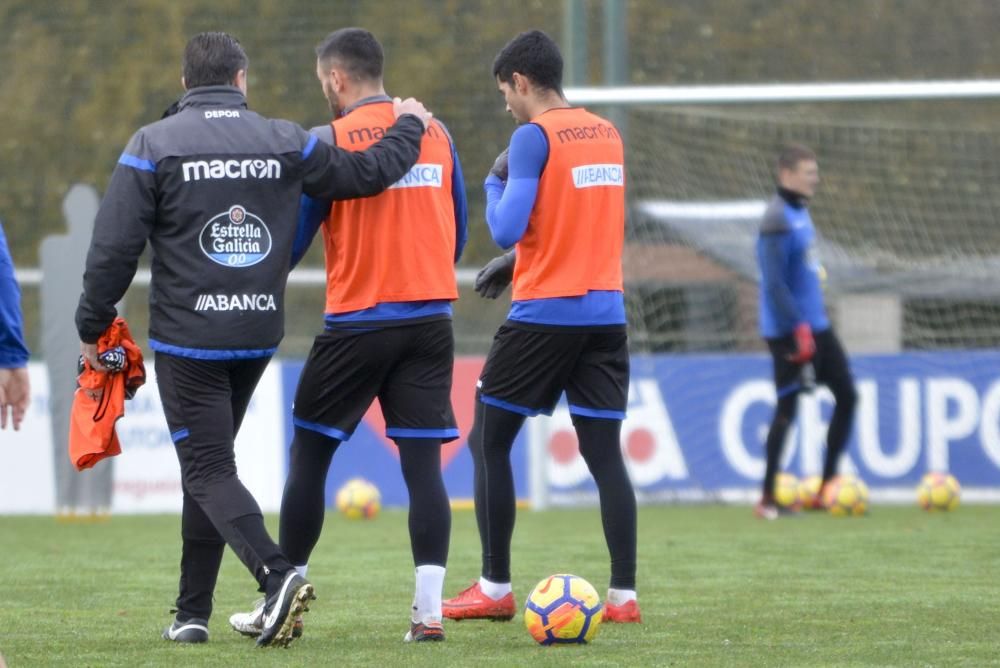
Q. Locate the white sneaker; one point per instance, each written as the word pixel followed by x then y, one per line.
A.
pixel 249 623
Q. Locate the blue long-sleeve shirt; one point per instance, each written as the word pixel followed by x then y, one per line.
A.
pixel 312 213
pixel 508 210
pixel 791 290
pixel 13 351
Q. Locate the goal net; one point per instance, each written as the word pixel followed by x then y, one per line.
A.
pixel 907 213
pixel 907 216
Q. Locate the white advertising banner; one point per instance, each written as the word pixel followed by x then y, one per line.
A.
pixel 147 475
pixel 27 477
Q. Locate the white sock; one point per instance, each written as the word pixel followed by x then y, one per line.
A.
pixel 427 595
pixel 621 596
pixel 495 590
pixel 303 569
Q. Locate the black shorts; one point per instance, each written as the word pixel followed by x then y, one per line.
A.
pixel 528 368
pixel 408 368
pixel 829 364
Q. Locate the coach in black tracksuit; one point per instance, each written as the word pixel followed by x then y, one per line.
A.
pixel 215 189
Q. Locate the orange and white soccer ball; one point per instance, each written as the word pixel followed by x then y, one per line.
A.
pixel 846 496
pixel 563 609
pixel 938 491
pixel 786 491
pixel 359 499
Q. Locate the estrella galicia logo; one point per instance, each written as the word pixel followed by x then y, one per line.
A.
pixel 235 238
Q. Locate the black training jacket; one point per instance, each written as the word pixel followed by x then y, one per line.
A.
pixel 215 189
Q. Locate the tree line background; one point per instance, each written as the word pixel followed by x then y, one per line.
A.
pixel 80 76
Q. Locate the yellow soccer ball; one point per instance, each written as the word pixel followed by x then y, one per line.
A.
pixel 786 491
pixel 938 491
pixel 846 496
pixel 563 609
pixel 359 499
pixel 809 492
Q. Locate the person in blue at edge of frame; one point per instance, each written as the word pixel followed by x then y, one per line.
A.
pixel 15 388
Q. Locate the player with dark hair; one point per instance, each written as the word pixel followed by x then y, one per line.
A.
pixel 793 319
pixel 215 189
pixel 15 388
pixel 558 196
pixel 390 283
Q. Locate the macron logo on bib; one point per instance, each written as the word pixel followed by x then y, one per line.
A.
pixel 590 176
pixel 421 176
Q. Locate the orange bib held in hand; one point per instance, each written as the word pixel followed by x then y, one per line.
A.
pixel 92 434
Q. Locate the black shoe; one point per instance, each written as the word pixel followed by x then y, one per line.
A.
pixel 282 609
pixel 192 631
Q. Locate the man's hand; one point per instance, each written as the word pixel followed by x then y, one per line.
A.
pixel 494 278
pixel 15 395
pixel 805 345
pixel 499 168
pixel 88 351
pixel 411 106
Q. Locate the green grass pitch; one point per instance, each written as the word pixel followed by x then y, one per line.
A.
pixel 718 588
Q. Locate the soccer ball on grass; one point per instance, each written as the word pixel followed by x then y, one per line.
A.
pixel 938 491
pixel 359 499
pixel 563 609
pixel 786 491
pixel 809 492
pixel 846 496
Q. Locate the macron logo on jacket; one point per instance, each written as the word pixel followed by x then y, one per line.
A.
pixel 251 168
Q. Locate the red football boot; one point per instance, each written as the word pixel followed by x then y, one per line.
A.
pixel 472 603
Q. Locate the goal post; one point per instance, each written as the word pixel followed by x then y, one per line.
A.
pixel 874 91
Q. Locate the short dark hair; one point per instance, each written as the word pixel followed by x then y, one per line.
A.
pixel 356 50
pixel 792 154
pixel 213 59
pixel 533 54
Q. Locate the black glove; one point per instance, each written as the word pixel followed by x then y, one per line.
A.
pixel 494 278
pixel 499 168
pixel 113 359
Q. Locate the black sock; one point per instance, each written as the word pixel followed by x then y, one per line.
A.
pixel 784 414
pixel 303 502
pixel 600 446
pixel 493 433
pixel 430 512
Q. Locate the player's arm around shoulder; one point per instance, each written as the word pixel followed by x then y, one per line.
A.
pixel 335 173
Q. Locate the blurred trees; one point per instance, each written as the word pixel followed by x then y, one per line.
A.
pixel 82 75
